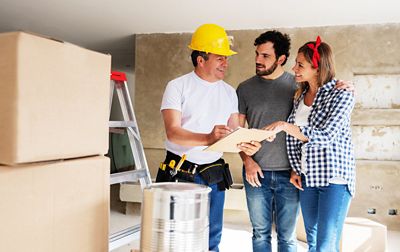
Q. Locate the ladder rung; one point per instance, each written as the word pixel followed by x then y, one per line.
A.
pixel 117 130
pixel 121 124
pixel 123 237
pixel 128 176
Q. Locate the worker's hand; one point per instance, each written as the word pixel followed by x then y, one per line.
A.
pixel 296 180
pixel 250 148
pixel 218 132
pixel 252 170
pixel 346 85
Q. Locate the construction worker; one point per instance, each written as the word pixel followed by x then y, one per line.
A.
pixel 199 108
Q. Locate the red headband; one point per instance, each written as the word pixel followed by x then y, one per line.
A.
pixel 316 57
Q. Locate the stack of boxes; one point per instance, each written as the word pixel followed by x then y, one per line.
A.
pixel 54 178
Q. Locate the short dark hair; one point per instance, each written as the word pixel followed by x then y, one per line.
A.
pixel 280 41
pixel 196 54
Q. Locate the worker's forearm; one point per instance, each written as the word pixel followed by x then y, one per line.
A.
pixel 184 137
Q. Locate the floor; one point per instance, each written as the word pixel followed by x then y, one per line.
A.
pixel 236 233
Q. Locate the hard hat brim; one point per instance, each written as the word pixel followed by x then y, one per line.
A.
pixel 217 52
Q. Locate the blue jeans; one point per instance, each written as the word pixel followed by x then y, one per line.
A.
pixel 275 201
pixel 324 210
pixel 217 199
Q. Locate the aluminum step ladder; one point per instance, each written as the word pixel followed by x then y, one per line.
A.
pixel 141 172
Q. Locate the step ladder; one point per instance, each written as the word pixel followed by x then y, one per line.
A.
pixel 141 172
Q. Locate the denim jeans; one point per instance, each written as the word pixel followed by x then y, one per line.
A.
pixel 275 201
pixel 217 199
pixel 324 210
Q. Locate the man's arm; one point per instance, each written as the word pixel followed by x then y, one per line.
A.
pixel 178 135
pixel 251 167
pixel 233 121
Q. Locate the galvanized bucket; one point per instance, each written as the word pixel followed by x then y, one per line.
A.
pixel 175 217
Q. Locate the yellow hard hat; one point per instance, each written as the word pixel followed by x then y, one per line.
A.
pixel 211 38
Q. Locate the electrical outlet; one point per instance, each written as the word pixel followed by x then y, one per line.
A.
pixel 376 187
pixel 392 212
pixel 371 211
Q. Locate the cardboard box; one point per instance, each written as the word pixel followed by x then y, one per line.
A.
pixel 235 198
pixel 361 234
pixel 131 192
pixel 54 99
pixel 55 206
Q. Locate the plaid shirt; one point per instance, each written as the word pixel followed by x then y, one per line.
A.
pixel 329 151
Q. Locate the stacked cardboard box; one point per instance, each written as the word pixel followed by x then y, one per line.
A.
pixel 54 105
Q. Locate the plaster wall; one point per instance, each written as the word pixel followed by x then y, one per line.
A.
pixel 367 54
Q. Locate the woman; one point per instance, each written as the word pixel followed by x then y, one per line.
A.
pixel 319 146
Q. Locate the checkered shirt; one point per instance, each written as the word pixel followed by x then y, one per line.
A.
pixel 329 151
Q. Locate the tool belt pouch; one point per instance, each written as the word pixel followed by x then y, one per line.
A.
pixel 215 174
pixel 165 175
pixel 228 181
pixel 212 174
pixel 184 176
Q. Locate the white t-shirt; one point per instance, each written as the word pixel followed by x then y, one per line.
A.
pixel 301 119
pixel 302 114
pixel 202 105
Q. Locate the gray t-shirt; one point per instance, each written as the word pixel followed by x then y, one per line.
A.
pixel 264 102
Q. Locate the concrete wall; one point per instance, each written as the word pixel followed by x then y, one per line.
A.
pixel 367 54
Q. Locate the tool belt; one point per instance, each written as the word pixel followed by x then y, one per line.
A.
pixel 213 173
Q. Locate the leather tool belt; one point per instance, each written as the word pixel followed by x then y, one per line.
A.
pixel 213 173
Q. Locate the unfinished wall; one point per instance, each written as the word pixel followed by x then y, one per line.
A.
pixel 367 54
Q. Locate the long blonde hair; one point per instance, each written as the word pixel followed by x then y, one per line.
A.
pixel 326 65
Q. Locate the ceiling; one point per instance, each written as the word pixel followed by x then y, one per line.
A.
pixel 108 25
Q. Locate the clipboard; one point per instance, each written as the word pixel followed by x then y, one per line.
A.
pixel 229 143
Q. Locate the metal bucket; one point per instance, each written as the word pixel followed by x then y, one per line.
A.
pixel 175 217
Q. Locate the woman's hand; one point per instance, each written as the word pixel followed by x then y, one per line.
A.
pixel 275 127
pixel 250 148
pixel 296 180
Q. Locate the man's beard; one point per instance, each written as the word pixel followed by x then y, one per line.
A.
pixel 268 71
